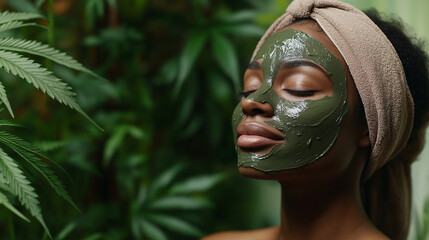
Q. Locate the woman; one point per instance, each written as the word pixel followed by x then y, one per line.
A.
pixel 327 112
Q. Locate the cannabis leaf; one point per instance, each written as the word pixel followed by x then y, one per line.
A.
pixel 25 68
pixel 13 179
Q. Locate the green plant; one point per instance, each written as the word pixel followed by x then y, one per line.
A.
pixel 28 159
pixel 153 207
pixel 421 223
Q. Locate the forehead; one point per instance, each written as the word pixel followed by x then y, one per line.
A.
pixel 312 28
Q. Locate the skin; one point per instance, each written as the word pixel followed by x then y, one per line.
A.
pixel 320 200
pixel 306 85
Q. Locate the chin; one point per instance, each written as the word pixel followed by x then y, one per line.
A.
pixel 254 173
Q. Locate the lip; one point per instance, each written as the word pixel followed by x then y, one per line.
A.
pixel 258 137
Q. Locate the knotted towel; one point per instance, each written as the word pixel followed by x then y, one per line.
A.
pixel 376 69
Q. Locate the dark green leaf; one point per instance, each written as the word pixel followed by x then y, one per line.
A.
pixel 179 202
pixel 190 53
pixel 166 177
pixel 196 184
pixel 114 143
pixel 226 57
pixel 66 231
pixel 243 30
pixel 168 71
pixel 219 87
pixel 5 101
pixel 175 224
pixel 20 147
pixel 5 202
pixel 191 128
pixel 241 16
pixel 150 230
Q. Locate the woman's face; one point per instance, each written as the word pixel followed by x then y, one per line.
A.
pixel 295 97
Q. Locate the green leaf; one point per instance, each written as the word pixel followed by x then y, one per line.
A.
pixel 226 57
pixel 169 71
pixel 165 178
pixel 190 53
pixel 219 87
pixel 66 231
pixel 16 24
pixel 3 98
pixel 43 50
pixel 14 16
pixel 5 202
pixel 243 30
pixel 196 184
pixel 240 16
pixel 22 148
pixel 180 202
pixel 114 142
pixel 7 123
pixel 175 224
pixel 148 229
pixel 21 187
pixel 94 236
pixel 42 79
pixel 39 3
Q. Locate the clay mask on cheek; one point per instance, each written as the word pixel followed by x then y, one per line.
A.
pixel 310 126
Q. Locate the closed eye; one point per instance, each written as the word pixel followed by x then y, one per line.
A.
pixel 246 93
pixel 301 93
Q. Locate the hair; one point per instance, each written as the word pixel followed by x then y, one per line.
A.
pixel 387 194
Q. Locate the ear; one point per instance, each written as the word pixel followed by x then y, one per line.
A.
pixel 364 138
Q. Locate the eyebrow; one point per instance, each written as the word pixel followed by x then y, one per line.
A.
pixel 301 63
pixel 254 66
pixel 292 64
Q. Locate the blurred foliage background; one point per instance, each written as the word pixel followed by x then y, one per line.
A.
pixel 164 167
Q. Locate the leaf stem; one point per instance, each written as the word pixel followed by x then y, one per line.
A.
pixel 50 30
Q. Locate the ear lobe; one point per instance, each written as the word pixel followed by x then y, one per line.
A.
pixel 364 138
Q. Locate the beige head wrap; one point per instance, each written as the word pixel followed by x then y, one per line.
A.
pixel 375 66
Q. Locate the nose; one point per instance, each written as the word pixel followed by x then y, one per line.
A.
pixel 253 108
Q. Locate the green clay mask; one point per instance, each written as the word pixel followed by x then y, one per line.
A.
pixel 310 127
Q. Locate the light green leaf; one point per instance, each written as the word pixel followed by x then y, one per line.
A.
pixel 15 16
pixel 8 123
pixel 180 202
pixel 16 24
pixel 190 53
pixel 39 3
pixel 196 184
pixel 3 98
pixel 42 79
pixel 165 178
pixel 66 231
pixel 150 230
pixel 20 147
pixel 21 187
pixel 243 30
pixel 114 143
pixel 43 50
pixel 94 236
pixel 240 16
pixel 226 57
pixel 5 202
pixel 175 224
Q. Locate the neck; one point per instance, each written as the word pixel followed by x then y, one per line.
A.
pixel 324 209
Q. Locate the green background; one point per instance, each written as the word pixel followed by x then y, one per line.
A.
pixel 165 166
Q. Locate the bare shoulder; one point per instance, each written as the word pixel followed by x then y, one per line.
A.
pixel 260 234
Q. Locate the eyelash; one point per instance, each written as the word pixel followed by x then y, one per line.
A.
pixel 290 91
pixel 246 93
pixel 301 93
